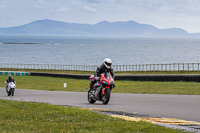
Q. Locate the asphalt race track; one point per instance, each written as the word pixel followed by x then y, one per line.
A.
pixel 185 107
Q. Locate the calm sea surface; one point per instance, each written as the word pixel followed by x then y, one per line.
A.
pixel 92 51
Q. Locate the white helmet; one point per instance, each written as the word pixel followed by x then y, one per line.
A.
pixel 107 62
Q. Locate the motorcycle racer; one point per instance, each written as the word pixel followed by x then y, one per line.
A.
pixel 10 79
pixel 104 68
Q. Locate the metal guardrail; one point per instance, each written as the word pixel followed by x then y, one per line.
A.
pixel 49 66
pixel 159 67
pixel 141 67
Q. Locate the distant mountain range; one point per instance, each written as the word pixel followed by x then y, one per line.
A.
pixel 104 28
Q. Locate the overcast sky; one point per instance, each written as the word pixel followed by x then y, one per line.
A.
pixel 160 13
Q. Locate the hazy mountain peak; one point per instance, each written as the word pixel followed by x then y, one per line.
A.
pixel 47 21
pixel 131 22
pixel 104 28
pixel 102 22
pixel 178 29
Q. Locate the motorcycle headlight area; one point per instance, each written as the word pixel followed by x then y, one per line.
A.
pixel 111 83
pixel 105 82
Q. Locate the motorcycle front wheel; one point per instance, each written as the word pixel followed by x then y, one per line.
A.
pixel 12 92
pixel 106 96
pixel 9 93
pixel 90 97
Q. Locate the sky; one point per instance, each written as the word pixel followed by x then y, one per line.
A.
pixel 160 13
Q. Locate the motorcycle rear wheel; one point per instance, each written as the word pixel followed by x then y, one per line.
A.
pixel 90 99
pixel 106 96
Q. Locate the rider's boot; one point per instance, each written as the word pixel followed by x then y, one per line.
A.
pixel 6 87
pixel 90 88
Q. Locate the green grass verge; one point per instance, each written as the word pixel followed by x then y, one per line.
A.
pixel 144 87
pixel 45 118
pixel 117 73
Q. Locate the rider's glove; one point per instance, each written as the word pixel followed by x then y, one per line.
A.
pixel 97 78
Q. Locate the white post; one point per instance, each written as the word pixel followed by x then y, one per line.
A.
pixel 65 85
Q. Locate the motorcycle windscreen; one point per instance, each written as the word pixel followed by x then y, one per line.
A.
pixel 107 75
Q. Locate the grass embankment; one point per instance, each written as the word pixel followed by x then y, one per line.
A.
pixel 45 118
pixel 144 87
pixel 117 73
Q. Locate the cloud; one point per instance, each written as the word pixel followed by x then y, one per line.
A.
pixel 41 1
pixel 39 4
pixel 93 1
pixel 89 8
pixel 2 6
pixel 64 9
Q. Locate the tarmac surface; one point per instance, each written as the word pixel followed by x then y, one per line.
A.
pixel 185 107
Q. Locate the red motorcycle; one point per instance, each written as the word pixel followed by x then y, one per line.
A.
pixel 101 89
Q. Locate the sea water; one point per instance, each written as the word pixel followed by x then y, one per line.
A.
pixel 93 50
